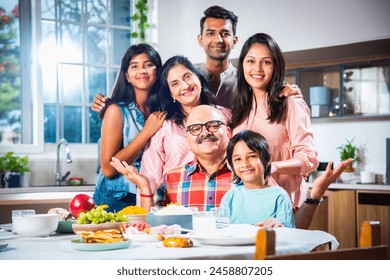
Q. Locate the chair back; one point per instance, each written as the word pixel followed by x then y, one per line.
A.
pixel 370 247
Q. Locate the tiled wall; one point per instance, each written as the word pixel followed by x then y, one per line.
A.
pixel 43 170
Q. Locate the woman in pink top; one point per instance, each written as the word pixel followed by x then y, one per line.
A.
pixel 284 122
pixel 183 88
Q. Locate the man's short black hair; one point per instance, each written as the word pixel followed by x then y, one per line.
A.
pixel 219 12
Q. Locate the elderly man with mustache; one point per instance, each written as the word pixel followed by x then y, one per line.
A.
pixel 203 182
pixel 200 183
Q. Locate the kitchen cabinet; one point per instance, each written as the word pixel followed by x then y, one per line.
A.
pixel 357 76
pixel 345 207
pixel 358 89
pixel 335 216
pixel 374 205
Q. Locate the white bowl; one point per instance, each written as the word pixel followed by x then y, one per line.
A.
pixel 38 225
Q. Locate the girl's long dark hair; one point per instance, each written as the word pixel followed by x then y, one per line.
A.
pixel 243 99
pixel 123 91
pixel 174 109
pixel 257 143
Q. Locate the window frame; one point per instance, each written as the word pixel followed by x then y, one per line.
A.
pixel 32 89
pixel 30 13
pixel 30 72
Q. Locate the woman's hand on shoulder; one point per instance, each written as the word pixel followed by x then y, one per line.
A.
pixel 98 102
pixel 154 122
pixel 291 90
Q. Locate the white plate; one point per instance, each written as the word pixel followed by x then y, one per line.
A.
pixel 4 235
pixel 78 244
pixel 223 238
pixel 225 241
pixel 3 245
pixel 7 227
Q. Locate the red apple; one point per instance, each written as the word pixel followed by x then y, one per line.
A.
pixel 81 203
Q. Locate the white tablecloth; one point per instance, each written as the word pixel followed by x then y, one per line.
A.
pixel 58 247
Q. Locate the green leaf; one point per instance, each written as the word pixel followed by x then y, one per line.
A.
pixel 349 150
pixel 136 17
pixel 11 162
pixel 140 15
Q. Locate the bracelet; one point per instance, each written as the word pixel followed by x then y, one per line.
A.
pixel 146 195
pixel 311 201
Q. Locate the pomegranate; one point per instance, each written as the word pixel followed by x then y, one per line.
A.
pixel 81 203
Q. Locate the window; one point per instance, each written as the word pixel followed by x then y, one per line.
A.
pixel 10 74
pixel 81 48
pixel 60 54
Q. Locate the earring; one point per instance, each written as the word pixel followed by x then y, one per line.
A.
pixel 174 100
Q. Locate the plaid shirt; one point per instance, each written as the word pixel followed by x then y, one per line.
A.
pixel 191 186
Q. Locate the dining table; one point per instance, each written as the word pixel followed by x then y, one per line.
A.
pixel 239 245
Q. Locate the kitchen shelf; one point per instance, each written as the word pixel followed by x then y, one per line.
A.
pixel 359 89
pixel 356 75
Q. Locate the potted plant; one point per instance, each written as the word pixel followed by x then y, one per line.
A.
pixel 11 169
pixel 349 150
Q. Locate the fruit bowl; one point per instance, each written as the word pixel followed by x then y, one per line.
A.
pixel 95 227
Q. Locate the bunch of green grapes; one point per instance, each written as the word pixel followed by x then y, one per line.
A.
pixel 98 215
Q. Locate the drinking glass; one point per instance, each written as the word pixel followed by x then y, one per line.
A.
pixel 203 221
pixel 222 216
pixel 21 213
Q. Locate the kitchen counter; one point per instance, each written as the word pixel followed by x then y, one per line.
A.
pixel 51 188
pixel 41 199
pixel 53 194
pixel 45 197
pixel 61 194
pixel 367 187
pixel 90 188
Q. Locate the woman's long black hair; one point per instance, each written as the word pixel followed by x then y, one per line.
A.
pixel 175 109
pixel 257 143
pixel 243 99
pixel 124 91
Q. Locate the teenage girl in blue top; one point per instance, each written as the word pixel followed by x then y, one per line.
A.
pixel 130 118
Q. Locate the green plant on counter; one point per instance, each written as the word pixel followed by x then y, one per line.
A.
pixel 141 15
pixel 349 150
pixel 11 162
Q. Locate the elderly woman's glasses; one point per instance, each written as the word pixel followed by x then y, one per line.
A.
pixel 211 126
